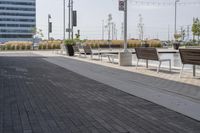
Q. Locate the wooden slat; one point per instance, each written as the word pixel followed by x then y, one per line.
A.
pixel 76 49
pixel 87 49
pixel 190 56
pixel 146 53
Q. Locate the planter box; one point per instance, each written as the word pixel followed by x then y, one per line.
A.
pixel 145 45
pixel 176 45
pixel 70 50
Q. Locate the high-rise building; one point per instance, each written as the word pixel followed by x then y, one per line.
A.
pixel 17 20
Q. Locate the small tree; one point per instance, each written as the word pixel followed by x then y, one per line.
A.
pixel 177 36
pixel 37 33
pixel 196 28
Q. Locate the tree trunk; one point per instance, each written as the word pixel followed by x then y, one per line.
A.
pixel 193 37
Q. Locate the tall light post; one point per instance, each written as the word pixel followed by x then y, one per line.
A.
pixel 109 26
pixel 69 25
pixel 103 27
pixel 125 26
pixel 64 27
pixel 125 57
pixel 176 1
pixel 72 25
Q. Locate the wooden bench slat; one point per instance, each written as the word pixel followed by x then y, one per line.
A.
pixel 147 53
pixel 190 56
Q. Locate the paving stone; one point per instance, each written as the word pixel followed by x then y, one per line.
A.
pixel 47 98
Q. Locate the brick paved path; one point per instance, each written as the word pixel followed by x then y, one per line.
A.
pixel 39 97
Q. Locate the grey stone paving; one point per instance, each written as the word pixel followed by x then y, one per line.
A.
pixel 39 97
pixel 181 97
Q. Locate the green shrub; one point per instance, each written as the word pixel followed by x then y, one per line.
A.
pixel 28 47
pixel 3 47
pixel 8 47
pixel 58 46
pixel 13 47
pixel 18 47
pixel 23 47
pixel 54 46
pixel 44 47
pixel 69 42
pixel 40 47
pixel 50 46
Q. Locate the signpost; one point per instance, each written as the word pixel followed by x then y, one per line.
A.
pixel 125 58
pixel 123 7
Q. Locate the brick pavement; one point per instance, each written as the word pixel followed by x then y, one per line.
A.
pixel 40 97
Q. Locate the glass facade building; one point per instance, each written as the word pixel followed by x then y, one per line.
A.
pixel 17 20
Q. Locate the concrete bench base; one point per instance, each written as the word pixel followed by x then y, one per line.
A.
pixel 125 58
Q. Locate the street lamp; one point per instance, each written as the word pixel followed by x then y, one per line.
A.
pixel 125 26
pixel 103 27
pixel 69 24
pixel 176 1
pixel 125 57
pixel 64 27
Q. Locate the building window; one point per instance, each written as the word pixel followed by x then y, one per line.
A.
pixel 17 3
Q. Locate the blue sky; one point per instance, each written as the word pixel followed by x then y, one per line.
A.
pixel 156 18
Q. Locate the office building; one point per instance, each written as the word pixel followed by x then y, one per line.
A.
pixel 17 20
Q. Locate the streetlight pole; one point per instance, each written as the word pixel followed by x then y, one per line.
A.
pixel 69 26
pixel 72 25
pixel 109 26
pixel 176 1
pixel 125 57
pixel 125 26
pixel 64 27
pixel 103 29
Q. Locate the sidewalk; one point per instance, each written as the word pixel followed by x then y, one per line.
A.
pixel 37 96
pixel 166 89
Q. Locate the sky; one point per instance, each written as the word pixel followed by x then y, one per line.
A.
pixel 158 19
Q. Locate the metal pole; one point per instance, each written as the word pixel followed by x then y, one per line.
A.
pixel 69 26
pixel 64 27
pixel 125 26
pixel 103 29
pixel 72 27
pixel 175 31
pixel 48 27
pixel 188 33
pixel 168 32
pixel 175 19
pixel 108 30
pixel 122 31
pixel 116 34
pixel 182 36
pixel 112 31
